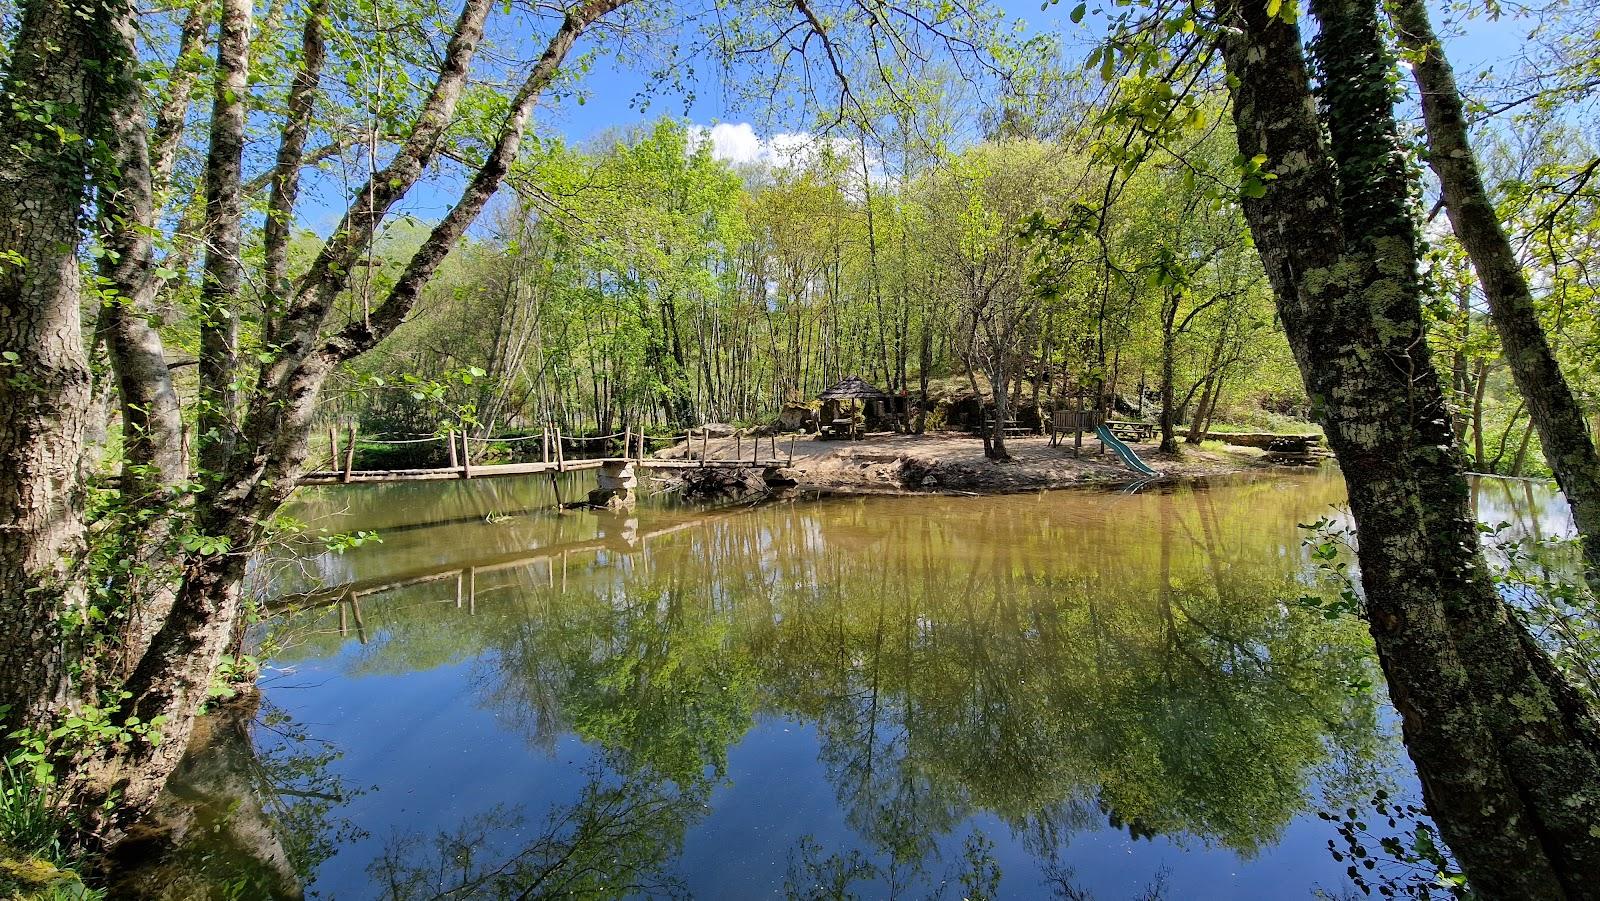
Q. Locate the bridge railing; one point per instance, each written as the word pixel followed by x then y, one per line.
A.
pixel 552 450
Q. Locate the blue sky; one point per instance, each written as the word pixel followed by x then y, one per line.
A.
pixel 612 88
pixel 746 132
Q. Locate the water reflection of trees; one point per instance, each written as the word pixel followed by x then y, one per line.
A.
pixel 1150 673
pixel 616 840
pixel 1182 699
pixel 240 818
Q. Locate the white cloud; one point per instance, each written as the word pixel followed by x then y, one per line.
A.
pixel 735 143
pixel 738 143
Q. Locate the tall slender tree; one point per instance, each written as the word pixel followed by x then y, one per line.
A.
pixel 1563 433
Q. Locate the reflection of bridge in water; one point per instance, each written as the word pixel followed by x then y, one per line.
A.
pixel 620 532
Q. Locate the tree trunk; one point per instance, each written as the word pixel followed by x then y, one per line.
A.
pixel 995 447
pixel 1521 458
pixel 1482 383
pixel 224 269
pixel 155 464
pixel 925 364
pixel 1202 411
pixel 1555 412
pixel 171 682
pixel 285 177
pixel 1458 362
pixel 1169 435
pixel 51 83
pixel 1506 750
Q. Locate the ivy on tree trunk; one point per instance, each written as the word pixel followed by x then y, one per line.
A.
pixel 1507 751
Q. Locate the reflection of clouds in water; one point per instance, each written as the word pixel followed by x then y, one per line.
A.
pixel 1531 509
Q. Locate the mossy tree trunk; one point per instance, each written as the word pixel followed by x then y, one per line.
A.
pixel 1507 752
pixel 52 93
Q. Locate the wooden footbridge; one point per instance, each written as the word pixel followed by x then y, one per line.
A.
pixel 552 457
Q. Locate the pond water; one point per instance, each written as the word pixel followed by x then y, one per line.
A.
pixel 1068 694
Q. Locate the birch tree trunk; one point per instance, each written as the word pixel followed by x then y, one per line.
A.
pixel 224 270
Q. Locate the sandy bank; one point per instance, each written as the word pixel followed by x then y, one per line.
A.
pixel 944 462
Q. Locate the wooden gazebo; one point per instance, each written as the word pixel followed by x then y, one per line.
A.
pixel 835 421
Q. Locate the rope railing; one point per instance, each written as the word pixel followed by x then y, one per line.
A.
pixel 507 440
pixel 635 446
pixel 402 440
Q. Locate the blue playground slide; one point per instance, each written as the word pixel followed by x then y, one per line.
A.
pixel 1123 451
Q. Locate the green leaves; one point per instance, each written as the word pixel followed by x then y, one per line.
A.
pixel 1252 177
pixel 204 545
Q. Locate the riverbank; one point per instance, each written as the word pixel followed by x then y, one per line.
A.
pixel 954 462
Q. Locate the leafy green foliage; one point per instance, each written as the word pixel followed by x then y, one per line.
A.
pixel 1406 860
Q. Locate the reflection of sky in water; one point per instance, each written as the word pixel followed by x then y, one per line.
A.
pixel 1530 509
pixel 864 667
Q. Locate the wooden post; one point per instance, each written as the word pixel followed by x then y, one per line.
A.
pixel 544 444
pixel 350 453
pixel 627 441
pixel 561 456
pixel 361 626
pixel 738 445
pixel 791 450
pixel 333 449
pixel 450 439
pixel 704 435
pixel 1077 435
pixel 555 485
pixel 466 456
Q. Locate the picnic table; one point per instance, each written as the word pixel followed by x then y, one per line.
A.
pixel 838 428
pixel 1012 428
pixel 1126 430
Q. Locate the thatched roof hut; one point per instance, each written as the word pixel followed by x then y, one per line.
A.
pixel 853 388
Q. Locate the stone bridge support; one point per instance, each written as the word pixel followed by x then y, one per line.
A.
pixel 617 483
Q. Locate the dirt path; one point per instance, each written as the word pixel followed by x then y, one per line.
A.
pixel 952 461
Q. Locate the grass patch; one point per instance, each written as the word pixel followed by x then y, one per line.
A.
pixel 33 865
